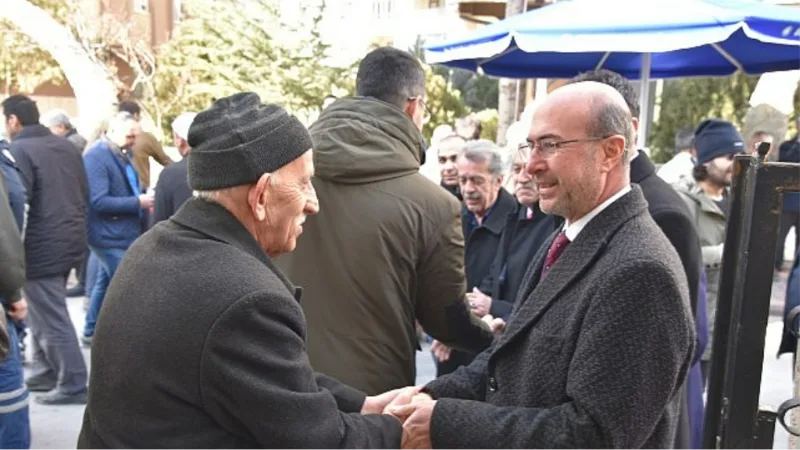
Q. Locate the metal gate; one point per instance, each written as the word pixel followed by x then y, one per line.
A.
pixel 734 418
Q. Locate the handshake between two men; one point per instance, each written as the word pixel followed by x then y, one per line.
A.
pixel 412 408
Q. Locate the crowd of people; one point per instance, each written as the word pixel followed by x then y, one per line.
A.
pixel 275 286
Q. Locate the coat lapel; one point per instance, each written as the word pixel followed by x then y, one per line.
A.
pixel 536 296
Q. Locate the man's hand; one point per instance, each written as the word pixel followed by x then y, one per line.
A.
pixel 417 423
pixel 479 303
pixel 146 200
pixel 496 325
pixel 377 404
pixel 440 351
pixel 18 310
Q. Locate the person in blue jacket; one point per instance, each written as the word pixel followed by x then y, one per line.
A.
pixel 15 430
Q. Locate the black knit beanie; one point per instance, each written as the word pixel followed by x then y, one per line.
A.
pixel 715 137
pixel 238 139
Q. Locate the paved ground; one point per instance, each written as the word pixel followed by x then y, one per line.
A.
pixel 58 427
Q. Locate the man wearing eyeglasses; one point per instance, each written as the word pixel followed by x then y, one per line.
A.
pixel 386 248
pixel 483 218
pixel 670 214
pixel 568 371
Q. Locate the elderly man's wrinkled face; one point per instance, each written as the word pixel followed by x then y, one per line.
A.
pixel 478 186
pixel 287 199
pixel 565 161
pixel 524 189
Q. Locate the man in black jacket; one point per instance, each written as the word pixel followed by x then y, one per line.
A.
pixel 484 215
pixel 55 240
pixel 527 229
pixel 172 189
pixel 212 327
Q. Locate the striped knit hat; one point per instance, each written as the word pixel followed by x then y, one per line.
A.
pixel 238 139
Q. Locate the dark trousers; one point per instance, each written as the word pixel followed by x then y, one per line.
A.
pixel 56 353
pixel 788 220
pixel 83 269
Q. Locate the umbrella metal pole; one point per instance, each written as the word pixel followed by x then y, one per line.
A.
pixel 644 101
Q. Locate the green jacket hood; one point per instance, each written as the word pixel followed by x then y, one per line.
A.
pixel 362 140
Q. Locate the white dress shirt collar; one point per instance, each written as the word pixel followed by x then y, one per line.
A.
pixel 574 229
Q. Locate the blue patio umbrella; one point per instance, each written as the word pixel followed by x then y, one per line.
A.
pixel 639 39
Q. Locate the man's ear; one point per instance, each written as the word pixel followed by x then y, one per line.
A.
pixel 411 107
pixel 257 197
pixel 613 150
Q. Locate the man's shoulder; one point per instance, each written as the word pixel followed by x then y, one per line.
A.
pixel 663 199
pixel 437 204
pixel 225 268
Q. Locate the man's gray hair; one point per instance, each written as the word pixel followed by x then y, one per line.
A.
pixel 609 119
pixel 214 195
pixel 482 151
pixel 56 117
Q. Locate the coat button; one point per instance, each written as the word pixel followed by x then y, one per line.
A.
pixel 492 382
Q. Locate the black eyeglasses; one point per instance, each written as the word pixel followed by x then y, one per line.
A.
pixel 548 147
pixel 427 114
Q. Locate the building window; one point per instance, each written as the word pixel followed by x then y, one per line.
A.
pixel 140 6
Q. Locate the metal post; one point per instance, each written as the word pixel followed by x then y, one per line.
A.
pixel 644 100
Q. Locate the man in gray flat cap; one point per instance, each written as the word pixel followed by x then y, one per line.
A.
pixel 201 341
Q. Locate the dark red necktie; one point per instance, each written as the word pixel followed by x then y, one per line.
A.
pixel 558 246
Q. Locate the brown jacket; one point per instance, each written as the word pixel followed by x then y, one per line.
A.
pixel 385 250
pixel 146 146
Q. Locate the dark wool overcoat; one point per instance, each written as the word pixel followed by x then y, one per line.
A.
pixel 201 344
pixel 594 354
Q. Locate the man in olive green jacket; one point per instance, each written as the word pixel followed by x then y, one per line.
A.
pixel 386 249
pixel 12 261
pixel 716 142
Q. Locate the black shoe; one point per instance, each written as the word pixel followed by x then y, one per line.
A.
pixel 76 291
pixel 40 384
pixel 56 397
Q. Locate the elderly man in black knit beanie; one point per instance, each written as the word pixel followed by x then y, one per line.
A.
pixel 202 339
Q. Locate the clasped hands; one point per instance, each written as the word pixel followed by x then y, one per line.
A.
pixel 412 408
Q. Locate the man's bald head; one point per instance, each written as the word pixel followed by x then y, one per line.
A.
pixel 602 108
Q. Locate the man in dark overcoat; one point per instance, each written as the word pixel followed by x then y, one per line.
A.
pixel 669 211
pixel 201 341
pixel 600 342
